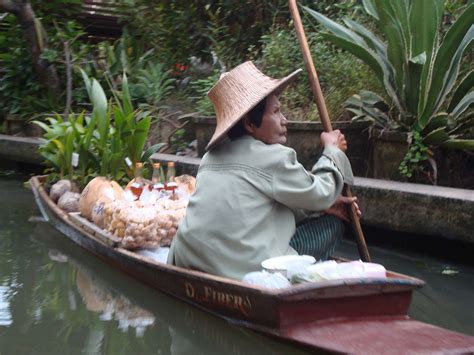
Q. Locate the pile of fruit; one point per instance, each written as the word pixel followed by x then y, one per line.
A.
pixel 149 220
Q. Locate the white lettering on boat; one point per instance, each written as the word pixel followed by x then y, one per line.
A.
pixel 189 290
pixel 209 295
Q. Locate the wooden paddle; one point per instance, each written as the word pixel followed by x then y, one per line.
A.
pixel 323 113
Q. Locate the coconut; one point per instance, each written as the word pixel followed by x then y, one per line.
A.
pixel 69 202
pixel 59 188
pixel 98 189
pixel 98 212
pixel 186 182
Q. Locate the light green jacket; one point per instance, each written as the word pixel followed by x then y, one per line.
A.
pixel 243 209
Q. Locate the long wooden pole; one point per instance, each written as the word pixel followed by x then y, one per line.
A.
pixel 323 113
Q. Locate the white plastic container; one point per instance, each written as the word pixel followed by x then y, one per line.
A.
pixel 281 264
pixel 370 269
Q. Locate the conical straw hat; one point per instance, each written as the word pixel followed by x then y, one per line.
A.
pixel 237 92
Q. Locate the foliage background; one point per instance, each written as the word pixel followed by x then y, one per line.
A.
pixel 173 51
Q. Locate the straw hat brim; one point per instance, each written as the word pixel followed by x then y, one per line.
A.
pixel 280 85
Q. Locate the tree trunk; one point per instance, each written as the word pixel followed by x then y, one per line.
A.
pixel 35 43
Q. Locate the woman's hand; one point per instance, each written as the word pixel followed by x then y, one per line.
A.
pixel 334 138
pixel 339 209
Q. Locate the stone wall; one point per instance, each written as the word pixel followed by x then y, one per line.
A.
pixel 21 149
pixel 303 137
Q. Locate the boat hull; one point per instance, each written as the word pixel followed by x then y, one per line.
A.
pixel 303 314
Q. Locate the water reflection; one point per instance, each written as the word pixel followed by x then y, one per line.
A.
pixel 98 298
pixel 56 298
pixel 5 315
pixel 116 298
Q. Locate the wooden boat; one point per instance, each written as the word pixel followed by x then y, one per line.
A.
pixel 344 316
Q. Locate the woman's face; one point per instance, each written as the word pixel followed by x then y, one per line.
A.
pixel 273 128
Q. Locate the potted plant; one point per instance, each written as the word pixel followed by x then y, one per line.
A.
pixel 80 147
pixel 427 99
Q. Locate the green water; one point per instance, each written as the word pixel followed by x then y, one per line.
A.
pixel 55 298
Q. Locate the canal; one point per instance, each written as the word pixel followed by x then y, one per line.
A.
pixel 55 298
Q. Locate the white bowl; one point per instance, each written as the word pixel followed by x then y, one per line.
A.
pixel 282 263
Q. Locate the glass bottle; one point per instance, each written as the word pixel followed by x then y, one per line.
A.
pixel 156 183
pixel 138 182
pixel 170 175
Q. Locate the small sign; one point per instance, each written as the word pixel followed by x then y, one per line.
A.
pixel 128 162
pixel 75 159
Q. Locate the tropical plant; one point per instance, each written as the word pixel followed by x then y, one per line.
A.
pixel 340 75
pixel 123 139
pixel 42 81
pixel 181 29
pixel 201 87
pixel 36 43
pixel 62 139
pixel 371 107
pixel 418 69
pixel 153 83
pixel 81 147
pixel 21 93
pixel 417 153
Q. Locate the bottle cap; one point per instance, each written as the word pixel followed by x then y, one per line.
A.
pixel 171 163
pixel 139 165
pixel 156 165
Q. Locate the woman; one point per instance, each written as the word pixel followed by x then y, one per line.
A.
pixel 251 190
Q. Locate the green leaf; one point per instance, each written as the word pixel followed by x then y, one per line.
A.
pixel 116 161
pixel 370 8
pixel 59 145
pixel 393 23
pixel 87 83
pixel 152 150
pixel 138 139
pixel 105 163
pixel 464 86
pixel 119 118
pixel 335 28
pixel 464 126
pixel 381 70
pixel 419 59
pixel 437 136
pixel 126 100
pixel 453 72
pixel 425 19
pixel 43 125
pixel 69 148
pixel 467 144
pixel 99 113
pixel 463 105
pixel 438 121
pixel 446 64
pixel 412 86
pixel 361 52
pixel 372 40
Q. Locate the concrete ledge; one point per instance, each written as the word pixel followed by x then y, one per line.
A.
pixel 22 149
pixel 417 208
pixel 414 208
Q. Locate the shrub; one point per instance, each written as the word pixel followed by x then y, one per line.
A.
pixel 340 75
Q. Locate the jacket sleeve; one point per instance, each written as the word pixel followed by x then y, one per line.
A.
pixel 317 190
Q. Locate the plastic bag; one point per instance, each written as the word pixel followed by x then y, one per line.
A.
pixel 159 254
pixel 331 270
pixel 266 279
